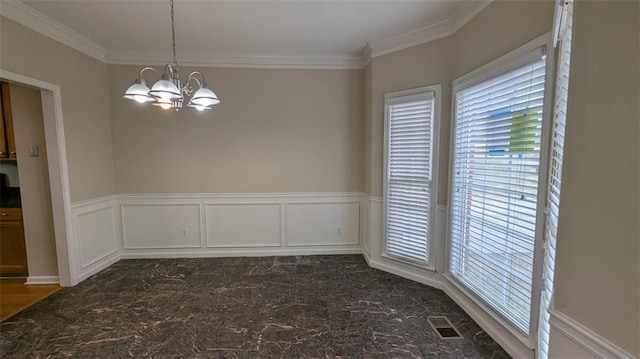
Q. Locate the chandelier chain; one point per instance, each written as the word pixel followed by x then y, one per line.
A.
pixel 173 33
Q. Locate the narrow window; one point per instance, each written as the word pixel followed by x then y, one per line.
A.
pixel 497 143
pixel 409 173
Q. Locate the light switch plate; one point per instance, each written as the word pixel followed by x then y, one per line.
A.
pixel 34 151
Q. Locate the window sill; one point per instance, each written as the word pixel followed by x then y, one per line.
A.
pixel 425 266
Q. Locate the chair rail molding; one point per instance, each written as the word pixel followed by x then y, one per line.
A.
pixel 569 338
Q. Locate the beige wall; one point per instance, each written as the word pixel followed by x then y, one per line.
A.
pixel 499 28
pixel 85 103
pixel 597 273
pixel 422 65
pixel 34 181
pixel 274 131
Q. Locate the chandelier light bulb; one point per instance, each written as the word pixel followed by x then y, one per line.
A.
pixel 165 106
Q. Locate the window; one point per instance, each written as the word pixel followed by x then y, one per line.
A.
pixel 563 23
pixel 496 175
pixel 409 186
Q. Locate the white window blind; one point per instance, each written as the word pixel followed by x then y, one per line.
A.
pixel 409 175
pixel 496 160
pixel 564 21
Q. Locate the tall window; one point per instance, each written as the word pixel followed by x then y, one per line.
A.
pixel 563 22
pixel 409 173
pixel 497 142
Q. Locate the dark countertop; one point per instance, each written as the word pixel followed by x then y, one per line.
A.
pixel 10 197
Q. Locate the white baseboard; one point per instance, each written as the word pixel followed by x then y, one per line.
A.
pixel 512 344
pixel 239 252
pixel 99 266
pixel 367 258
pixel 431 280
pixel 571 339
pixel 507 340
pixel 47 279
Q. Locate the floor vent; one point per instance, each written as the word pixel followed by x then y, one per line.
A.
pixel 444 328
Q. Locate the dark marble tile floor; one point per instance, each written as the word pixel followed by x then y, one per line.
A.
pixel 266 307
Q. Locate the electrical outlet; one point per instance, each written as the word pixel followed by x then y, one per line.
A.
pixel 184 233
pixel 338 231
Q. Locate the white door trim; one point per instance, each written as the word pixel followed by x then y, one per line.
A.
pixel 66 250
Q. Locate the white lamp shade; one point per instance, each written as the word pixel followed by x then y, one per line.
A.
pixel 204 97
pixel 138 92
pixel 165 89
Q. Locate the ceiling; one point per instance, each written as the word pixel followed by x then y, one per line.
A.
pixel 135 29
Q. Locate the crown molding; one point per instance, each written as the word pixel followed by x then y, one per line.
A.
pixel 238 60
pixel 35 20
pixel 464 12
pixel 367 51
pixel 412 38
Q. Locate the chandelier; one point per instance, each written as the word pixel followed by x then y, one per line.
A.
pixel 169 92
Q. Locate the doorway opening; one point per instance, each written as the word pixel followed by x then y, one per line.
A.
pixel 27 244
pixel 54 259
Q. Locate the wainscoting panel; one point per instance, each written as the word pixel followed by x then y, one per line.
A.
pixel 258 224
pixel 214 225
pixel 96 233
pixel 322 224
pixel 231 225
pixel 161 225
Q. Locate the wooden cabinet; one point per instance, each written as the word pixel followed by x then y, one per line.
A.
pixel 13 254
pixel 7 139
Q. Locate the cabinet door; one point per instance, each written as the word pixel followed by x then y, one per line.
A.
pixel 13 253
pixel 8 121
pixel 4 152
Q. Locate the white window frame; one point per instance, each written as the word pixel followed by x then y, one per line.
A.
pixel 508 62
pixel 562 39
pixel 432 246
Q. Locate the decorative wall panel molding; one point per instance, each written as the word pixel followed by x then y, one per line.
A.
pixel 231 225
pixel 322 223
pixel 210 225
pixel 97 234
